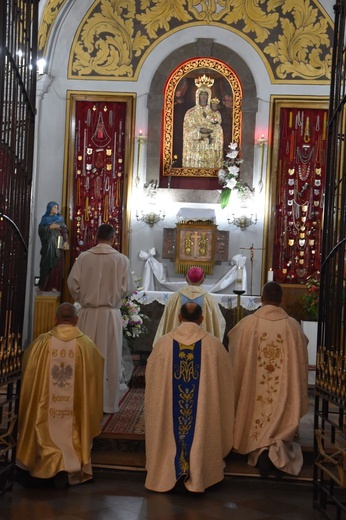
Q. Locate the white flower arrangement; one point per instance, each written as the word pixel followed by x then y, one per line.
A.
pixel 228 175
pixel 132 318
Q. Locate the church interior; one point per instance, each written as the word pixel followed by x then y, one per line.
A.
pixel 99 104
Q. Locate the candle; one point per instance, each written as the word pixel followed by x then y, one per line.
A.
pixel 239 279
pixel 270 275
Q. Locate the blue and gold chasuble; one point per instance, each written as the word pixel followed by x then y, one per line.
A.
pixel 186 374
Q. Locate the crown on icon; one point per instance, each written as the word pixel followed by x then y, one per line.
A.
pixel 215 100
pixel 204 81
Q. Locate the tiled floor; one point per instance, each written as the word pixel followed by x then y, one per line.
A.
pixel 122 496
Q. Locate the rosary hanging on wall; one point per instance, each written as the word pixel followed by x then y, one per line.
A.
pixel 98 171
pixel 300 194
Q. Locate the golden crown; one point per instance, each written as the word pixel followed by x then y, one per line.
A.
pixel 204 81
pixel 215 100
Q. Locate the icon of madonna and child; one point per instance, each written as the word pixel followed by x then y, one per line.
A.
pixel 203 125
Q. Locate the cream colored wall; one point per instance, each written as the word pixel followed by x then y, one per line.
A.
pixel 50 139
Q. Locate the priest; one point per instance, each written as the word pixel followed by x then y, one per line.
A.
pixel 270 359
pixel 188 407
pixel 213 322
pixel 61 404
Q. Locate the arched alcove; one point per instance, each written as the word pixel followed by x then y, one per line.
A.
pixel 208 48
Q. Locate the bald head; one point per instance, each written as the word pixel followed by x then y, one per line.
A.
pixel 192 312
pixel 66 314
pixel 271 294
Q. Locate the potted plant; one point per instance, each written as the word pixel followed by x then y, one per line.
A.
pixel 310 301
pixel 311 298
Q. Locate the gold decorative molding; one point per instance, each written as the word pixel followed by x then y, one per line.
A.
pixel 115 36
pixel 50 13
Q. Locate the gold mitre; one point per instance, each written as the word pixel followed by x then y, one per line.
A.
pixel 204 81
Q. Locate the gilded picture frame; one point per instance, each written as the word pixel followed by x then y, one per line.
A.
pixel 180 97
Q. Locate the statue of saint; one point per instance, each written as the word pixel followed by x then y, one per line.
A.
pixel 202 130
pixel 54 239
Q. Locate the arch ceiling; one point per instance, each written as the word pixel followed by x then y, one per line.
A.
pixel 293 37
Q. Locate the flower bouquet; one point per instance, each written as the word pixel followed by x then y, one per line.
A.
pixel 229 173
pixel 310 299
pixel 132 318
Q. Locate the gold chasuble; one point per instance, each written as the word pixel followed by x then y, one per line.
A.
pixel 61 404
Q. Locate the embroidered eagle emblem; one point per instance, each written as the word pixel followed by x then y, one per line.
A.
pixel 62 374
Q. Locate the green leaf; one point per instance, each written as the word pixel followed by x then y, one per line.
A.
pixel 224 199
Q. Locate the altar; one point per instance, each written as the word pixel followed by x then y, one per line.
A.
pixel 227 301
pixel 153 303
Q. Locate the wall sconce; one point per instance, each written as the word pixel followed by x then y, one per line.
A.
pixel 41 66
pixel 243 222
pixel 141 140
pixel 150 218
pixel 262 143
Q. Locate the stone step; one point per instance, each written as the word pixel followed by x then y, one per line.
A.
pixel 128 452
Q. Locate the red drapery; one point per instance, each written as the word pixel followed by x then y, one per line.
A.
pixel 299 198
pixel 98 175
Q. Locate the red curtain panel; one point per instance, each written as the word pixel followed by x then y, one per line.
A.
pixel 300 190
pixel 98 175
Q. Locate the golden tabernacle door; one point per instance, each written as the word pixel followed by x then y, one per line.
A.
pixel 195 245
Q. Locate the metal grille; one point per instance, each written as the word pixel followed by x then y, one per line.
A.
pixel 18 56
pixel 330 401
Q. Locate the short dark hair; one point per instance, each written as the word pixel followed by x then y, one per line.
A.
pixel 105 232
pixel 191 311
pixel 66 312
pixel 272 293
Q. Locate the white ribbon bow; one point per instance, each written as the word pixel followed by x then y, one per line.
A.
pixel 152 267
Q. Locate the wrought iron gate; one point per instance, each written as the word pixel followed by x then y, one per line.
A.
pixel 18 56
pixel 330 400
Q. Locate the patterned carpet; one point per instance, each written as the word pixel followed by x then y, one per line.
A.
pixel 128 422
pixel 122 441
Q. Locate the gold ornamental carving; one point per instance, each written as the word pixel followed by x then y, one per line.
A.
pixel 50 13
pixel 115 36
pixel 195 245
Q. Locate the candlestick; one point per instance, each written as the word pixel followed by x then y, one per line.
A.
pixel 270 276
pixel 239 310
